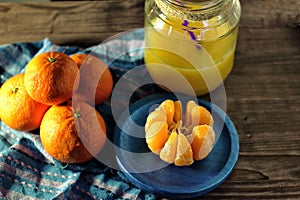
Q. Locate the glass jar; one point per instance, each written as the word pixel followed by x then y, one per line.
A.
pixel 193 38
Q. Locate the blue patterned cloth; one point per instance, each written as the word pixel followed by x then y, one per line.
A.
pixel 26 170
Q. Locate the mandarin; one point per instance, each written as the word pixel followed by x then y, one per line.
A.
pixel 96 82
pixel 50 78
pixel 17 109
pixel 73 133
pixel 180 139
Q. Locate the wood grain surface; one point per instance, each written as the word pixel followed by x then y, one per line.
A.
pixel 263 90
pixel 79 23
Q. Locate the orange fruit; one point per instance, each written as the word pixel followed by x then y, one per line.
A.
pixel 96 82
pixel 18 110
pixel 180 139
pixel 73 133
pixel 79 58
pixel 50 78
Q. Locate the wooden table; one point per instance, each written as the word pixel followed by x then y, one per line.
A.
pixel 263 90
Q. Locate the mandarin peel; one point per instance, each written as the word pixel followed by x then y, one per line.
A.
pixel 178 138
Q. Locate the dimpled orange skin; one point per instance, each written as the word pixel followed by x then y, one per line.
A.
pixel 18 110
pixel 79 58
pixel 73 134
pixel 96 82
pixel 50 78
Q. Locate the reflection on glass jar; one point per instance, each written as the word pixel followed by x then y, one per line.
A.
pixel 195 38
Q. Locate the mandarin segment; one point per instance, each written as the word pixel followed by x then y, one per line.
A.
pixel 168 153
pixel 176 140
pixel 188 116
pixel 156 136
pixel 202 142
pixel 155 116
pixel 201 116
pixel 184 154
pixel 178 112
pixel 169 108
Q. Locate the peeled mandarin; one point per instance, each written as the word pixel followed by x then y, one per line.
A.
pixel 176 140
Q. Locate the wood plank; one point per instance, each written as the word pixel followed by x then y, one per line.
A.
pixel 279 189
pixel 265 77
pixel 263 96
pixel 81 23
pixel 262 177
pixel 264 30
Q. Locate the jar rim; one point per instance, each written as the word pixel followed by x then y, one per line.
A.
pixel 193 10
pixel 202 3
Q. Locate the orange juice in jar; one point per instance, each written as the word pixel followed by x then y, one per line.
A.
pixel 193 38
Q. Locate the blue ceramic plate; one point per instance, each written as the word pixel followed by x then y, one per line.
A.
pixel 145 169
